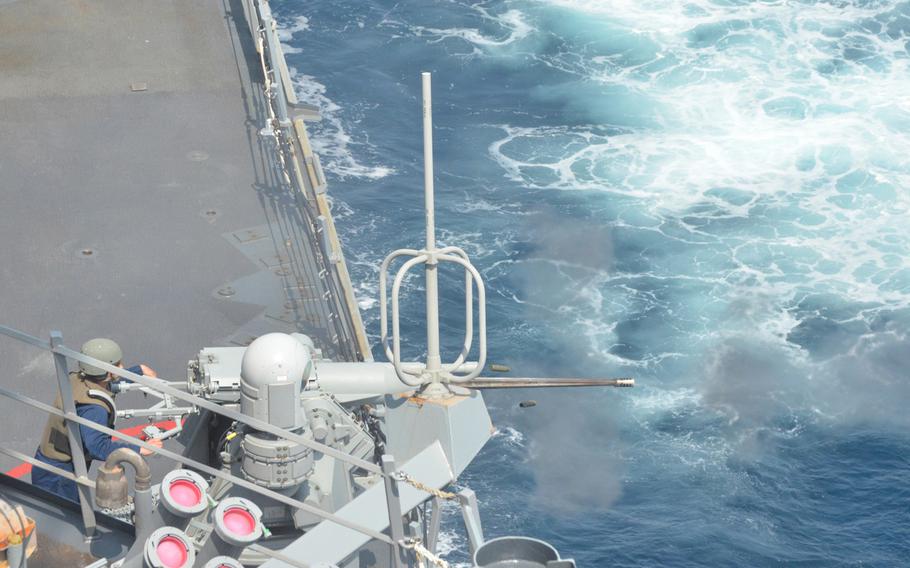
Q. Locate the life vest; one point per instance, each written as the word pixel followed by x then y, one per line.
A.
pixel 55 442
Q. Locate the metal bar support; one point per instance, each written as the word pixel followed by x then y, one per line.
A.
pixel 176 412
pixel 433 525
pixel 400 557
pixel 75 437
pixel 24 337
pixel 45 466
pixel 469 510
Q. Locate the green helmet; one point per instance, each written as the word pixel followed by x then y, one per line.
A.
pixel 103 349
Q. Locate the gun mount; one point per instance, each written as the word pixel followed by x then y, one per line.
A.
pixel 285 457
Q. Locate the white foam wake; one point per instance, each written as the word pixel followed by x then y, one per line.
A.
pixel 329 137
pixel 494 31
pixel 759 111
pixel 287 30
pixel 512 21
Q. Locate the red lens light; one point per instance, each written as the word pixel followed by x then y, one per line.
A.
pixel 185 493
pixel 239 521
pixel 171 552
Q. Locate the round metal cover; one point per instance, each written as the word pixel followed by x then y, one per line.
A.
pixel 238 521
pixel 223 562
pixel 184 493
pixel 169 547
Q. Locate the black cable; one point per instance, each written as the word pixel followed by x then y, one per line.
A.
pixel 375 432
pixel 223 441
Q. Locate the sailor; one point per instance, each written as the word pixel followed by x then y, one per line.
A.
pixel 94 401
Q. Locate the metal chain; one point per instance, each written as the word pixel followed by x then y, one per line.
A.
pixel 422 553
pixel 402 476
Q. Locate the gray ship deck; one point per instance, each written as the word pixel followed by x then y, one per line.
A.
pixel 138 199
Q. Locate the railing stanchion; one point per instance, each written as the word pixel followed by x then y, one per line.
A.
pixel 75 437
pixel 400 556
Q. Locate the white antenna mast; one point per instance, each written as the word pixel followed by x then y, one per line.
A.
pixel 433 375
pixel 434 360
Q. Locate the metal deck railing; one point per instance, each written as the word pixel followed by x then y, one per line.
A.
pixel 388 471
pixel 286 123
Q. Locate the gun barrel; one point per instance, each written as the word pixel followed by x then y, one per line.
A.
pixel 530 383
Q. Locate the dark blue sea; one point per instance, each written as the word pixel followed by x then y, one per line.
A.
pixel 710 196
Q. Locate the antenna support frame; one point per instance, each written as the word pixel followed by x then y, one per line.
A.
pixel 433 375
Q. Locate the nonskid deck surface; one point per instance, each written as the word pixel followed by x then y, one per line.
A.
pixel 59 538
pixel 138 199
pixel 53 554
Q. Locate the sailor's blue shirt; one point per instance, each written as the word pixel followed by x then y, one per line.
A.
pixel 97 446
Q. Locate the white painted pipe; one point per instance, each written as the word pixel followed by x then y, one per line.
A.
pixel 434 360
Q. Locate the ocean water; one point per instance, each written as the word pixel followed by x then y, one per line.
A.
pixel 710 196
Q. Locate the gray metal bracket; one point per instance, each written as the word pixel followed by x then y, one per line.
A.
pixel 327 251
pixel 305 112
pixel 393 501
pixel 471 513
